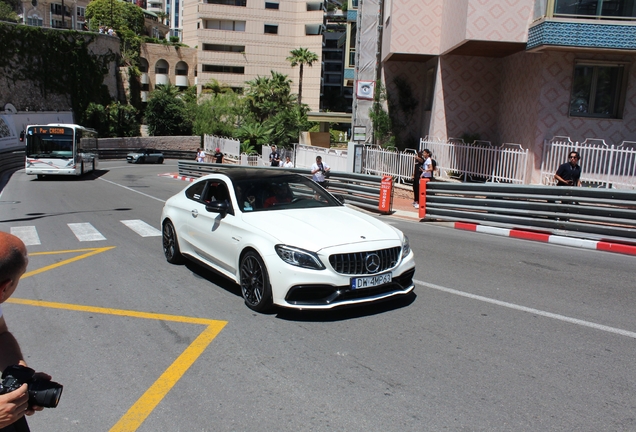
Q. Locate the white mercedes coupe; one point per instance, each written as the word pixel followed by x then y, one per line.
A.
pixel 286 241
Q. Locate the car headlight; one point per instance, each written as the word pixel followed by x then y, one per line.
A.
pixel 299 257
pixel 406 247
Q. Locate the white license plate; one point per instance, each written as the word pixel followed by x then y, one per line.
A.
pixel 371 281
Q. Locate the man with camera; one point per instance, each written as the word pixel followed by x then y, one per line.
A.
pixel 14 404
pixel 320 172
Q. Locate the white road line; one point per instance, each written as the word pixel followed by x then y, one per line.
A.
pixel 142 228
pixel 28 235
pixel 133 190
pixel 531 310
pixel 85 232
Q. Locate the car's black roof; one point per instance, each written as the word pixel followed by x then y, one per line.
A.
pixel 251 173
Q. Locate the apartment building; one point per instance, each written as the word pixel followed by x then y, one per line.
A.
pixel 239 40
pixel 68 14
pixel 519 71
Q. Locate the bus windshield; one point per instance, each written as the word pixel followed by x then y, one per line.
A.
pixel 49 142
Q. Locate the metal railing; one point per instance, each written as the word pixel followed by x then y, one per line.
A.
pixel 357 189
pixel 601 165
pixel 479 161
pixel 601 212
pixel 229 146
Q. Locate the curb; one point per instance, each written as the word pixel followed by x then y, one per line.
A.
pixel 549 238
pixel 178 177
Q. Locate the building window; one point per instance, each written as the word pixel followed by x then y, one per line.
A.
pixel 223 69
pixel 598 90
pixel 34 21
pixel 227 2
pixel 224 48
pixel 271 5
pixel 56 9
pixel 238 26
pixel 595 8
pixel 271 28
pixel 81 12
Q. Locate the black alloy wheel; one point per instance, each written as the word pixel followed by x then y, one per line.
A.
pixel 255 286
pixel 171 244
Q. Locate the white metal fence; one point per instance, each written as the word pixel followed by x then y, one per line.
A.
pixel 505 164
pixel 602 165
pixel 482 162
pixel 229 147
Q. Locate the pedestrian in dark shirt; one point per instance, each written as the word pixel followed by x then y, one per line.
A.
pixel 569 173
pixel 417 172
pixel 274 157
pixel 218 156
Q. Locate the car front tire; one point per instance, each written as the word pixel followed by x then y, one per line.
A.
pixel 160 161
pixel 171 244
pixel 255 286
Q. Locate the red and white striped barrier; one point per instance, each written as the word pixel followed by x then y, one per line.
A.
pixel 178 177
pixel 550 238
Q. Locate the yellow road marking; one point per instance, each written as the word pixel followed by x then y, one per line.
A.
pixel 149 400
pixel 136 415
pixel 90 252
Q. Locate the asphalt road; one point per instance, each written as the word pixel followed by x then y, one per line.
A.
pixel 501 334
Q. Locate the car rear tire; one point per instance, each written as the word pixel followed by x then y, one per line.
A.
pixel 141 160
pixel 255 286
pixel 171 244
pixel 160 161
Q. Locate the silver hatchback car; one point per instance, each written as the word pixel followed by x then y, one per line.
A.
pixel 145 155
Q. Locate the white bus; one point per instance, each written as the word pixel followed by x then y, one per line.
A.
pixel 60 149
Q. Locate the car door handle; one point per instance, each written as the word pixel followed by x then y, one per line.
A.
pixel 195 213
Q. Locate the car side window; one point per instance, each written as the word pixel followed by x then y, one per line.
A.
pixel 195 192
pixel 216 191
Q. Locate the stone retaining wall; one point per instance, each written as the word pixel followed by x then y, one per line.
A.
pixel 186 143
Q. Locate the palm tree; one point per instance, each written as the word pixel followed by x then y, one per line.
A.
pixel 301 56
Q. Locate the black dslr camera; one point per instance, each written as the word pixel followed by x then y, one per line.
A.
pixel 42 392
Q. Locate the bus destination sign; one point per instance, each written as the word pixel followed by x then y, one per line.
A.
pixel 46 130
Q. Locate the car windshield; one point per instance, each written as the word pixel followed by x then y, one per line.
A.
pixel 278 193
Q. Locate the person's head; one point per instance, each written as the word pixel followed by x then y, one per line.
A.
pixel 574 157
pixel 318 159
pixel 426 153
pixel 273 147
pixel 287 159
pixel 218 150
pixel 13 264
pixel 420 153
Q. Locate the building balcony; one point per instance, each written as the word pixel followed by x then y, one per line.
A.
pixel 616 10
pixel 162 79
pixel 181 81
pixel 581 34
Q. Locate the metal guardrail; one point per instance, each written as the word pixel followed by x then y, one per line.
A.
pixel 357 189
pixel 11 160
pixel 120 153
pixel 604 212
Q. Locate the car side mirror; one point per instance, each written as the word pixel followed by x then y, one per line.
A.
pixel 221 207
pixel 339 197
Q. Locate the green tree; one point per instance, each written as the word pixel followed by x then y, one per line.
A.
pixel 380 119
pixel 7 13
pixel 301 57
pixel 254 134
pixel 114 120
pixel 116 14
pixel 217 114
pixel 265 96
pixel 167 113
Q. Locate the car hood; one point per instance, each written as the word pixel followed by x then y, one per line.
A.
pixel 317 228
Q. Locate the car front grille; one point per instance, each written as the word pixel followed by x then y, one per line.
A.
pixel 369 262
